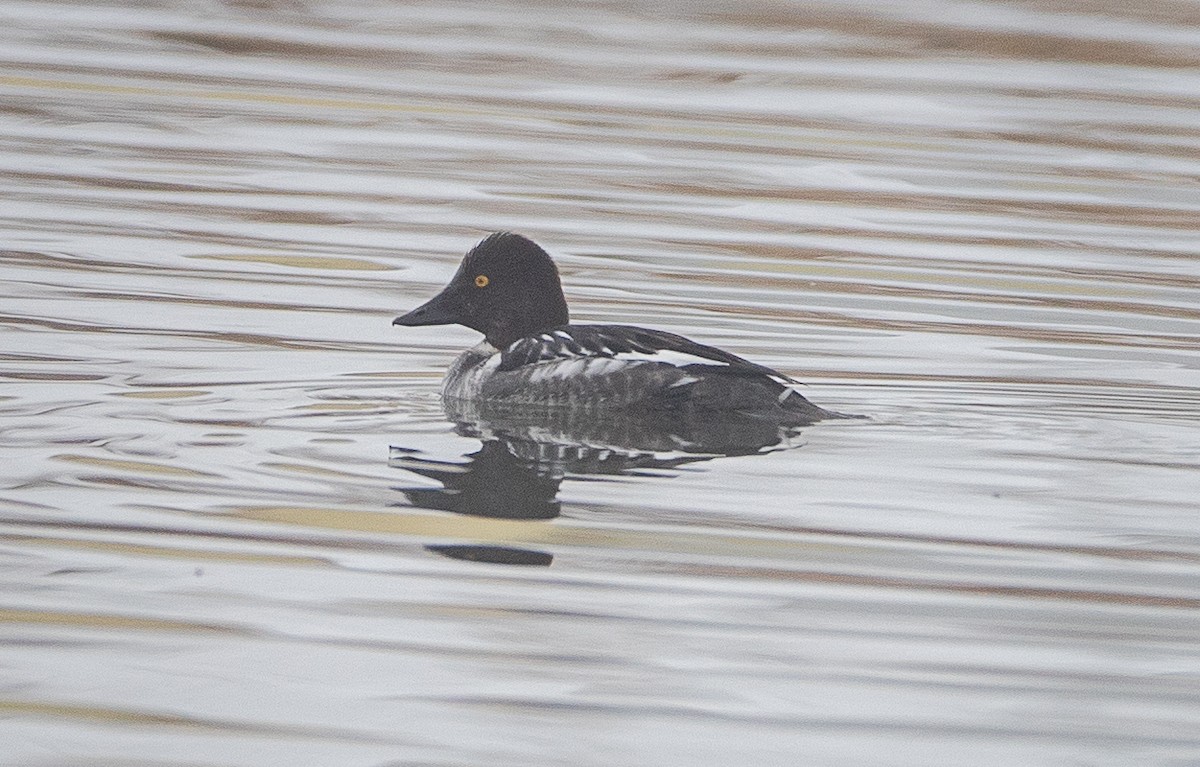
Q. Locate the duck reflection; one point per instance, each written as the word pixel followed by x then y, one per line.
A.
pixel 527 452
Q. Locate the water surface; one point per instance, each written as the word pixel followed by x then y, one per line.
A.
pixel 227 537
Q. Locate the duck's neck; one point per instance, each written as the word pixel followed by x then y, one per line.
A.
pixel 527 320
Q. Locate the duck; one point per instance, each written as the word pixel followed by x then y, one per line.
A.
pixel 532 356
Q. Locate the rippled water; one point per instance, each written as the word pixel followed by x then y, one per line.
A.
pixel 239 528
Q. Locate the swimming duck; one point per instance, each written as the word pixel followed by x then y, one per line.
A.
pixel 508 289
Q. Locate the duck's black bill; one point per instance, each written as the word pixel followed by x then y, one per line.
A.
pixel 442 309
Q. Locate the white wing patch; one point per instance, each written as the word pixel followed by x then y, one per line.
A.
pixel 584 366
pixel 678 359
pixel 565 368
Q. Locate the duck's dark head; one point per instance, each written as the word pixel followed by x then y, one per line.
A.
pixel 506 288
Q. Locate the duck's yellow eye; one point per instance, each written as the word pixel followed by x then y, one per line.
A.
pixel 482 281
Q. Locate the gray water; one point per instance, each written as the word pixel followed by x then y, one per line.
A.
pixel 227 538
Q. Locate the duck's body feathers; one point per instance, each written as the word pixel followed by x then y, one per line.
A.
pixel 626 343
pixel 620 367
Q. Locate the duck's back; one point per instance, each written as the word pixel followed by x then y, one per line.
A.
pixel 604 367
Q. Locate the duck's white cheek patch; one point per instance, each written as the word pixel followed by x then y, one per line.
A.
pixel 678 359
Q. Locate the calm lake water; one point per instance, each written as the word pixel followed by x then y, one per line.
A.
pixel 239 528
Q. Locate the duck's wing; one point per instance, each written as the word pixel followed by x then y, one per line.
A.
pixel 626 342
